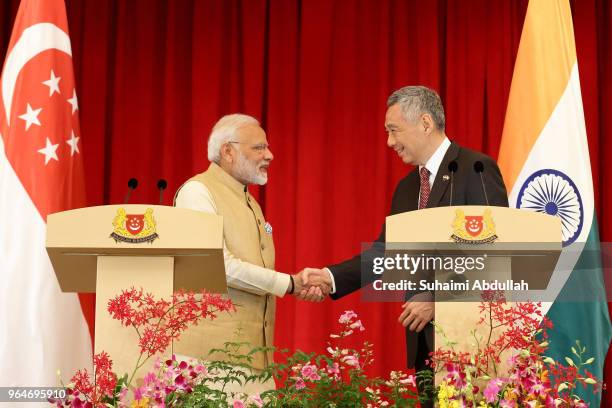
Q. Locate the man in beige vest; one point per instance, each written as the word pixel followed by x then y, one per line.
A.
pixel 240 155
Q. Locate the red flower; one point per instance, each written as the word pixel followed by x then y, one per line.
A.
pixel 159 322
pixel 93 393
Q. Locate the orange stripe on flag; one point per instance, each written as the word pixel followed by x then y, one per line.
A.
pixel 543 65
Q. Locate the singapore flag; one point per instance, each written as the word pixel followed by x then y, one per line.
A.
pixel 42 330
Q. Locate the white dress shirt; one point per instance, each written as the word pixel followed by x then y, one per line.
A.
pixel 434 162
pixel 240 274
pixel 433 165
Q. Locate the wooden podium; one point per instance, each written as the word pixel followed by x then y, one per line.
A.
pixel 110 248
pixel 502 232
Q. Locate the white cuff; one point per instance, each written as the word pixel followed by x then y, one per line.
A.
pixel 281 284
pixel 333 282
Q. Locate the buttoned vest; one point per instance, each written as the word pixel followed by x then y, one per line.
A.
pixel 247 239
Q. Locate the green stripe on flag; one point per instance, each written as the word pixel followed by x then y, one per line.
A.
pixel 580 312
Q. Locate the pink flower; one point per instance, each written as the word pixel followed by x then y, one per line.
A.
pixel 507 404
pixel 452 370
pixel 123 393
pixel 333 369
pixel 332 351
pixel 512 360
pixel 149 378
pixel 357 325
pixel 256 399
pixel 180 380
pixel 550 403
pixel 201 369
pixel 238 404
pixel 410 380
pixel 138 393
pixel 309 371
pixel 537 388
pixel 455 376
pixel 300 384
pixel 490 393
pixel 347 316
pixel 351 360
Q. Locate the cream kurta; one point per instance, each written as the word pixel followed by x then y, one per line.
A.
pixel 249 262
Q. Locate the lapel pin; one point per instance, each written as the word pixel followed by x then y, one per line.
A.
pixel 445 177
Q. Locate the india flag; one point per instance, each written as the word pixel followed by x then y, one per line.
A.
pixel 544 159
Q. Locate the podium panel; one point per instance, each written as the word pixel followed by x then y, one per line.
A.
pixel 502 232
pixel 108 249
pixel 116 273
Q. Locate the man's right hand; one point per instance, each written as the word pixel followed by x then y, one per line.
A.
pixel 314 284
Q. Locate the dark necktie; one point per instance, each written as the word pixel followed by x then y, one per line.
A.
pixel 425 187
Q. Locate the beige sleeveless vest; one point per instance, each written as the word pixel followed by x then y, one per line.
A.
pixel 245 237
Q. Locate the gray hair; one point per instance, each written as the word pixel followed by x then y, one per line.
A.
pixel 224 130
pixel 417 100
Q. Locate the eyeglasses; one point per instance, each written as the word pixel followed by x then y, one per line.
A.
pixel 259 147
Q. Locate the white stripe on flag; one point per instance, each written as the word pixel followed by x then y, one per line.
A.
pixel 41 329
pixel 562 146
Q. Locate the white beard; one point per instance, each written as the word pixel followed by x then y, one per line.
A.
pixel 248 172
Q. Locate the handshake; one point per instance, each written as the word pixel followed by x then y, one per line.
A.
pixel 312 284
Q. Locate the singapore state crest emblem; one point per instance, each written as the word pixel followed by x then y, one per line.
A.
pixel 134 228
pixel 473 229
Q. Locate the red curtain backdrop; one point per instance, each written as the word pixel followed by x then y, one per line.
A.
pixel 154 76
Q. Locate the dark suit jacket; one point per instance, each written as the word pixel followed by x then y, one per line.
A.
pixel 467 190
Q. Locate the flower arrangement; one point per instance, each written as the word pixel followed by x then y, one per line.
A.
pixel 337 378
pixel 334 379
pixel 519 331
pixel 515 333
pixel 157 323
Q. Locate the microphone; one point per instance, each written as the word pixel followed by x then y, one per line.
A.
pixel 479 168
pixel 161 186
pixel 452 167
pixel 132 184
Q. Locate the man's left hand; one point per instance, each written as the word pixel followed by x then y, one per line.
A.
pixel 315 284
pixel 418 312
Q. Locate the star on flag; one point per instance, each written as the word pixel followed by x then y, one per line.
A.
pixel 73 142
pixel 50 151
pixel 31 116
pixel 53 84
pixel 74 102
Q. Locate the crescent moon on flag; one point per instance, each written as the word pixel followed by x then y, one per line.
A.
pixel 34 40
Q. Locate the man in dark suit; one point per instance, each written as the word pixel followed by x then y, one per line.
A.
pixel 415 126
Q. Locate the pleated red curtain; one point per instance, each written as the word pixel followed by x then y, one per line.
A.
pixel 154 76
